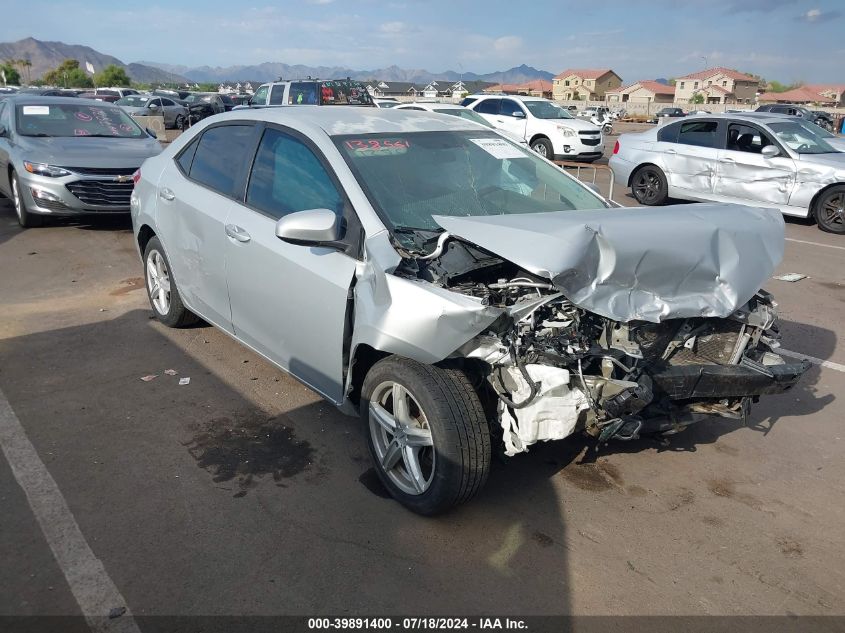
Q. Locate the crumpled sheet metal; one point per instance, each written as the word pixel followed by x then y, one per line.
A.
pixel 649 264
pixel 414 319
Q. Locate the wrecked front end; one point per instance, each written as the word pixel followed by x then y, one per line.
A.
pixel 549 368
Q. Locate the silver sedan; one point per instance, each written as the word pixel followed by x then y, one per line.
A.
pixel 753 159
pixel 63 156
pixel 454 289
pixel 174 114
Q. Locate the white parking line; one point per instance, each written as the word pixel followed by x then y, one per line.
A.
pixel 94 591
pixel 792 239
pixel 816 361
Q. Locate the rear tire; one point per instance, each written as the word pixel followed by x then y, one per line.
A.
pixel 649 186
pixel 543 147
pixel 829 210
pixel 162 290
pixel 433 451
pixel 26 218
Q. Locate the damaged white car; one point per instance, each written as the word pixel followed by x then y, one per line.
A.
pixel 457 291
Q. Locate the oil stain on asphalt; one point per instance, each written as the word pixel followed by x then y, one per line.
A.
pixel 247 449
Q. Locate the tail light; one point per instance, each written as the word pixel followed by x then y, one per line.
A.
pixel 137 175
pixel 615 151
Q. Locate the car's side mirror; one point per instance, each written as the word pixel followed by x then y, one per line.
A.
pixel 518 114
pixel 153 106
pixel 311 227
pixel 770 151
pixel 151 133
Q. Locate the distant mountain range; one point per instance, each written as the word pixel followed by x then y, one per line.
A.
pixel 47 55
pixel 270 71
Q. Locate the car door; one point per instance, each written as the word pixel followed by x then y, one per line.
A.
pixel 5 148
pixel 195 196
pixel 512 118
pixel 744 174
pixel 289 301
pixel 170 111
pixel 690 156
pixel 489 109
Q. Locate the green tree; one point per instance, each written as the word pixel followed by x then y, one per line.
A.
pixel 112 76
pixel 697 98
pixel 68 75
pixel 13 77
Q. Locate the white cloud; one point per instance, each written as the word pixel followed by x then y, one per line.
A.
pixel 320 1
pixel 393 27
pixel 507 44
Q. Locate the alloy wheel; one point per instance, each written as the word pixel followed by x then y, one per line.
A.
pixel 402 438
pixel 833 210
pixel 158 282
pixel 540 148
pixel 647 186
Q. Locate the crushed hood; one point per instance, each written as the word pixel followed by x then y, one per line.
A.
pixel 648 264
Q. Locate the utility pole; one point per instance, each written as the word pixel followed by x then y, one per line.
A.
pixel 705 62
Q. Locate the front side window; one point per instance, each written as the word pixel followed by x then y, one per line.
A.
pixel 410 177
pixel 510 107
pixel 219 151
pixel 800 138
pixel 744 138
pixel 700 133
pixel 66 119
pixel 287 177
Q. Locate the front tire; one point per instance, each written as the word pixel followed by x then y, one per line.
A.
pixel 543 147
pixel 161 288
pixel 427 433
pixel 26 218
pixel 829 210
pixel 649 186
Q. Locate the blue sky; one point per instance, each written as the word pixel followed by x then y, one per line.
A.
pixel 787 40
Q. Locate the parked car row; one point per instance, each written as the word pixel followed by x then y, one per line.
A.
pixel 755 158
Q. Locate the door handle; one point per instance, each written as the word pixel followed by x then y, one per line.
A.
pixel 237 233
pixel 728 160
pixel 166 194
pixel 671 151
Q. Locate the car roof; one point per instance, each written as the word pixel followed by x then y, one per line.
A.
pixel 31 99
pixel 353 120
pixel 433 104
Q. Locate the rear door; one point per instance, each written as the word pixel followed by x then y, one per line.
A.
pixel 744 174
pixel 489 109
pixel 5 148
pixel 691 154
pixel 196 194
pixel 290 301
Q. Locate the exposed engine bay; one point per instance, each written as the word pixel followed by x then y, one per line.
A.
pixel 554 368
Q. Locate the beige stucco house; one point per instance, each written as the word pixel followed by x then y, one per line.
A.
pixel 590 84
pixel 645 91
pixel 717 85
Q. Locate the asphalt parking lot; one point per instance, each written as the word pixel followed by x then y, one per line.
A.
pixel 241 493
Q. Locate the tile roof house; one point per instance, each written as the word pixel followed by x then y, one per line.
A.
pixel 534 88
pixel 589 84
pixel 645 91
pixel 717 85
pixel 824 95
pixel 835 92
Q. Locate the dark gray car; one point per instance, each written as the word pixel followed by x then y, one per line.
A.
pixel 174 114
pixel 67 156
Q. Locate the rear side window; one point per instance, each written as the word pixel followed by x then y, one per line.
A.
pixel 699 133
pixel 669 133
pixel 277 94
pixel 186 157
pixel 219 153
pixel 303 93
pixel 287 177
pixel 468 101
pixel 488 106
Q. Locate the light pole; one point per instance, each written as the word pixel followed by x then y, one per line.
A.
pixel 705 62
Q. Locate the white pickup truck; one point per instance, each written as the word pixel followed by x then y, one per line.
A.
pixel 549 129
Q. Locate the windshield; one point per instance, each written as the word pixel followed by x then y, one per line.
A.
pixel 800 138
pixel 815 129
pixel 65 119
pixel 133 102
pixel 195 98
pixel 465 113
pixel 546 110
pixel 410 177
